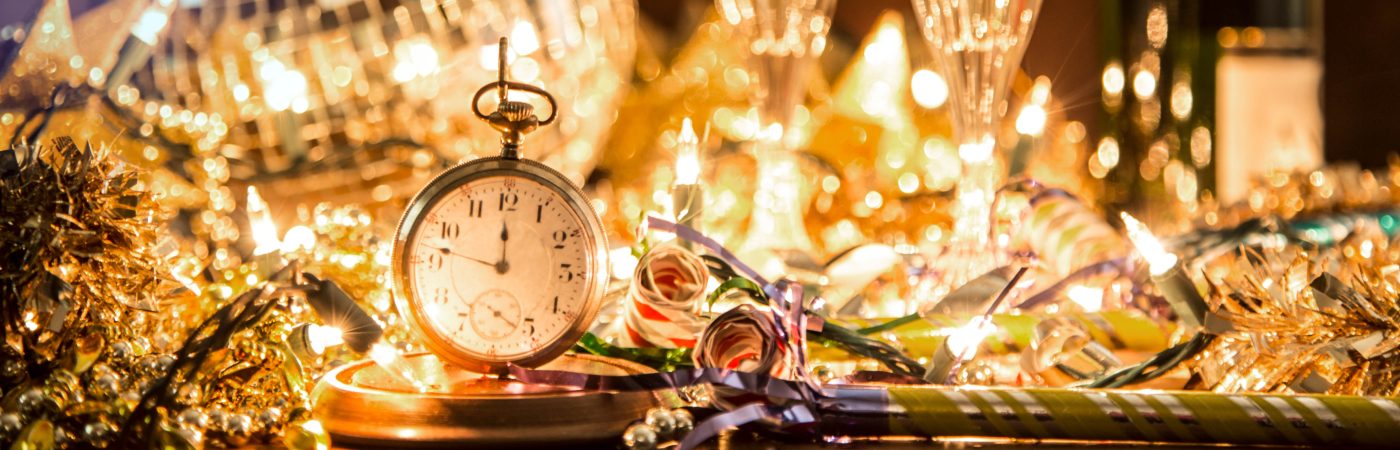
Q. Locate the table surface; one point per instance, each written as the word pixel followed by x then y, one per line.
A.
pixel 750 441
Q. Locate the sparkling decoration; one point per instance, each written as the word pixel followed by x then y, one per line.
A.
pixel 1306 322
pixel 309 95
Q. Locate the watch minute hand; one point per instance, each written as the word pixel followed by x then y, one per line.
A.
pixel 449 251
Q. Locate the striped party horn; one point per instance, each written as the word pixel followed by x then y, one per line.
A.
pixel 660 310
pixel 1111 415
pixel 1065 234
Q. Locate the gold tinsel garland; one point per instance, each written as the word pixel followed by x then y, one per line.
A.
pixel 79 270
pixel 1321 322
pixel 87 363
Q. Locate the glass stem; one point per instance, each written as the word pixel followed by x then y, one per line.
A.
pixel 976 190
pixel 777 220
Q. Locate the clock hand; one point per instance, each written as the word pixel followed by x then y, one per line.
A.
pixel 496 313
pixel 448 251
pixel 502 266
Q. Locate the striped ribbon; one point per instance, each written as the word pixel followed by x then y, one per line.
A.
pixel 666 289
pixel 790 322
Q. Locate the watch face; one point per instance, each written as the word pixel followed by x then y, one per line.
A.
pixel 500 267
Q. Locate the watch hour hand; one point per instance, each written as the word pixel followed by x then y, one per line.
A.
pixel 502 266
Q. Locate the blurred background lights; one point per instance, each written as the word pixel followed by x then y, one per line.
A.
pixel 930 90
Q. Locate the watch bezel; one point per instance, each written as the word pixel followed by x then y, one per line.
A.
pixel 409 305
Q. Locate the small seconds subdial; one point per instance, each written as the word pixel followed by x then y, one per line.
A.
pixel 495 314
pixel 501 266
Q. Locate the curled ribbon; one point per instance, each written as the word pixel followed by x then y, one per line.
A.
pixel 777 332
pixel 788 330
pixel 790 322
pixel 663 297
pixel 742 339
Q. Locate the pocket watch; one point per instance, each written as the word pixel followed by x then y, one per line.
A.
pixel 500 260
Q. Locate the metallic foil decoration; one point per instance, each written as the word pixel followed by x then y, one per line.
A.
pixel 313 91
pixel 1305 321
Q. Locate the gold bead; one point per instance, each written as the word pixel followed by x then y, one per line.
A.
pixel 306 435
pixel 38 435
pixel 660 420
pixel 639 437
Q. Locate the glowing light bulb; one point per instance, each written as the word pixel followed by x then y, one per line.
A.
pixel 964 341
pixel 383 354
pixel 687 155
pixel 1089 298
pixel 523 38
pixel 323 337
pixel 1159 260
pixel 298 238
pixel 624 263
pixel 260 220
pixel 416 58
pixel 1031 120
pixel 387 358
pixel 1040 91
pixel 148 27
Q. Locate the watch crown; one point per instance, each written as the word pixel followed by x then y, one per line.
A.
pixel 516 111
pixel 512 118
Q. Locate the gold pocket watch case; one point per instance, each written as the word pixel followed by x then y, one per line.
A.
pixel 362 405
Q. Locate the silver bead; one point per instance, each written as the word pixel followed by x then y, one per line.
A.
pixel 191 438
pixel 31 401
pixel 823 373
pixel 98 370
pixel 684 421
pixel 141 344
pixel 660 420
pixel 132 397
pixel 12 369
pixel 10 424
pixel 639 437
pixel 193 418
pixel 121 352
pixel 97 433
pixel 218 419
pixel 105 386
pixel 189 394
pixel 270 420
pixel 62 438
pixel 238 429
pixel 981 373
pixel 147 365
pixel 164 363
pixel 64 388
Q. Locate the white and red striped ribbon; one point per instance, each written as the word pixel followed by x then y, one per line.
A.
pixel 661 309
